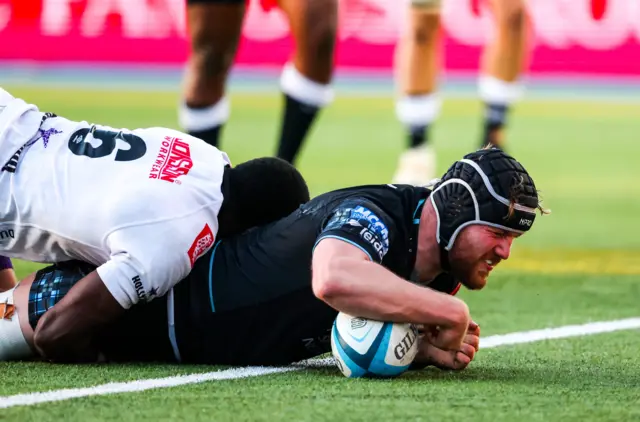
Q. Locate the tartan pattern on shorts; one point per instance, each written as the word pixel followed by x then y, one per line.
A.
pixel 51 284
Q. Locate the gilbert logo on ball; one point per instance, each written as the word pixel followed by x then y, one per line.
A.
pixel 369 348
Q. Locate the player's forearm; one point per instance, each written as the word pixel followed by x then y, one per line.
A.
pixel 369 290
pixel 64 332
pixel 8 278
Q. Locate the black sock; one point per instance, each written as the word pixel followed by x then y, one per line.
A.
pixel 296 122
pixel 210 136
pixel 418 135
pixel 495 118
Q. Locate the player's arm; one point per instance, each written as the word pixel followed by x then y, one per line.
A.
pixel 345 278
pixel 348 276
pixel 8 278
pixel 146 262
pixel 64 333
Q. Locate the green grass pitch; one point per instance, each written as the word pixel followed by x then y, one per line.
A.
pixel 579 264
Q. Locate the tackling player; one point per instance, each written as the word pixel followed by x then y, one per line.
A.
pixel 215 27
pixel 418 64
pixel 141 205
pixel 270 295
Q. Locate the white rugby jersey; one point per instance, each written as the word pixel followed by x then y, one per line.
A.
pixel 142 205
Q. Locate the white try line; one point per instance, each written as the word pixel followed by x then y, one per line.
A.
pixel 236 373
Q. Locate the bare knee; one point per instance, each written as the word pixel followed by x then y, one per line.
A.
pixel 425 26
pixel 211 59
pixel 323 30
pixel 314 25
pixel 215 30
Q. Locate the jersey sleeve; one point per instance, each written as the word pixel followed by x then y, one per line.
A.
pixel 146 261
pixel 361 223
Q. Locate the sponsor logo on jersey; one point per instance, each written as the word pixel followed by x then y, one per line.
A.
pixel 375 224
pixel 142 294
pixel 201 245
pixel 7 234
pixel 369 227
pixel 374 231
pixel 46 134
pixel 137 284
pixel 173 160
pixel 374 241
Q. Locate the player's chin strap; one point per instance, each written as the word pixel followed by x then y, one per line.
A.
pixel 460 203
pixel 444 255
pixel 444 259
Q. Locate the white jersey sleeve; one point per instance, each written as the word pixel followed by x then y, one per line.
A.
pixel 148 260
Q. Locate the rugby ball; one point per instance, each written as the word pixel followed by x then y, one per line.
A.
pixel 368 348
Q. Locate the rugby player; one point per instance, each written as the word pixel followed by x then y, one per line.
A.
pixel 418 64
pixel 271 294
pixel 215 27
pixel 142 206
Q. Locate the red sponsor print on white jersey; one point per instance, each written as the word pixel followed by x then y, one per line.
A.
pixel 201 245
pixel 173 160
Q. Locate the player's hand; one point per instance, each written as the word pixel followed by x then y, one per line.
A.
pixel 430 354
pixel 470 346
pixel 449 338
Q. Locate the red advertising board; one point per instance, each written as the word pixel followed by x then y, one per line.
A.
pixel 600 37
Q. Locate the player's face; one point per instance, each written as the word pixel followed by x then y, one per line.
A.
pixel 477 251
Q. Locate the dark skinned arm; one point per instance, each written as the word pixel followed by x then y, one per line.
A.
pixel 8 279
pixel 65 332
pixel 7 275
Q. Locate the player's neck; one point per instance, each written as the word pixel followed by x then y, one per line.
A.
pixel 427 265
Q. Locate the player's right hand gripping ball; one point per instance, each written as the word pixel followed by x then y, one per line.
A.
pixel 368 348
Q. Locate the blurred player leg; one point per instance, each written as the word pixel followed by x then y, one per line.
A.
pixel 306 81
pixel 502 63
pixel 417 64
pixel 214 30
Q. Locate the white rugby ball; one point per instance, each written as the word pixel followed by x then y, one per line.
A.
pixel 368 348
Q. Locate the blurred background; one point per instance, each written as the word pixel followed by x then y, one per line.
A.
pixel 121 62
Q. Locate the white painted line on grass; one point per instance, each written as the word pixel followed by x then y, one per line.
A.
pixel 139 385
pixel 559 332
pixel 237 373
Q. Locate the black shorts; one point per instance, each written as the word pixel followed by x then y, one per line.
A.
pixel 140 335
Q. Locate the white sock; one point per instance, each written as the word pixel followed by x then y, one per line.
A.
pixel 495 91
pixel 296 85
pixel 13 345
pixel 196 119
pixel 418 110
